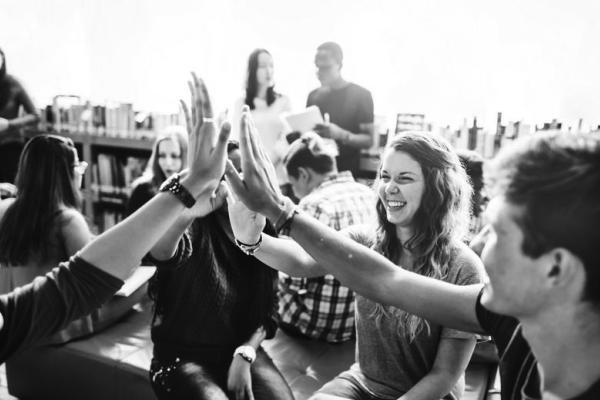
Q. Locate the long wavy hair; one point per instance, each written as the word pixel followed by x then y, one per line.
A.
pixel 45 183
pixel 154 172
pixel 440 221
pixel 252 82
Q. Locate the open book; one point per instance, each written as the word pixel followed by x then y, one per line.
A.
pixel 140 276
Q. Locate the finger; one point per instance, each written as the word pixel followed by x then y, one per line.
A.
pixel 199 98
pixel 249 394
pixel 186 113
pixel 230 196
pixel 326 118
pixel 248 160
pixel 193 104
pixel 223 139
pixel 207 106
pixel 236 184
pixel 254 138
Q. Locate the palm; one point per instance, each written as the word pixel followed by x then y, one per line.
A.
pixel 205 160
pixel 246 224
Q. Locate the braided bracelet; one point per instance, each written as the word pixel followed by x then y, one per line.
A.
pixel 249 249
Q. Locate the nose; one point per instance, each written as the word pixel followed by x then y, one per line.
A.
pixel 392 188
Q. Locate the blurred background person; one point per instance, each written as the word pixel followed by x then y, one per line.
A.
pixel 266 106
pixel 13 99
pixel 473 165
pixel 346 107
pixel 321 307
pixel 169 155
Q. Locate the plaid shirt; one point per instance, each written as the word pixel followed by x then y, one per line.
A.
pixel 321 307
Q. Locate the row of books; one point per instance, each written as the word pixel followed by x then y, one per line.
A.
pixel 114 119
pixel 113 175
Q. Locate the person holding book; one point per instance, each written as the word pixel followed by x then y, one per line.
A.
pixel 540 302
pixel 422 211
pixel 346 107
pixel 13 98
pixel 169 153
pixel 266 106
pixel 35 311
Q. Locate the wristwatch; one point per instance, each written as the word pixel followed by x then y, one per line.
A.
pixel 173 186
pixel 246 352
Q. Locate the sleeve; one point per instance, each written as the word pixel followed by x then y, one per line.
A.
pixel 49 303
pixel 366 111
pixel 465 269
pixel 319 211
pixel 181 256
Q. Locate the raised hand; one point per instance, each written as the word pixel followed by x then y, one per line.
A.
pixel 245 224
pixel 206 160
pixel 259 189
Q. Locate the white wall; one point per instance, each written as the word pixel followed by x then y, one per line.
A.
pixel 529 59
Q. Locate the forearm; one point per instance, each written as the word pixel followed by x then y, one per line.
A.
pixel 120 249
pixel 434 385
pixel 287 256
pixel 29 119
pixel 361 140
pixel 166 246
pixel 376 278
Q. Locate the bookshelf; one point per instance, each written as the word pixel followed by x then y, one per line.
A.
pixel 114 163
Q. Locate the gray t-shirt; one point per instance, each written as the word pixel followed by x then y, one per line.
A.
pixel 388 362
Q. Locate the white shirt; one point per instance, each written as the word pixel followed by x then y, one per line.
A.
pixel 270 128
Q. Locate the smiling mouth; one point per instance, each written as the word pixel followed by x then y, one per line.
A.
pixel 395 204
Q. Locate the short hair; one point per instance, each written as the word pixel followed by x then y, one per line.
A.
pixel 555 177
pixel 334 49
pixel 309 151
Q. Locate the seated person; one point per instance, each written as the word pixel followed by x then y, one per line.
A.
pixel 541 300
pixel 168 157
pixel 42 225
pixel 34 311
pixel 422 212
pixel 321 307
pixel 214 305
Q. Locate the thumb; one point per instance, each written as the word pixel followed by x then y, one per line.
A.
pixel 249 394
pixel 234 180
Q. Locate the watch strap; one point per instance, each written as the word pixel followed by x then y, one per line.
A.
pixel 173 186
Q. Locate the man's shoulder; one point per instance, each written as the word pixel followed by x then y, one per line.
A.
pixel 358 90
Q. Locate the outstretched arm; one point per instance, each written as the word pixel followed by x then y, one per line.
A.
pixel 50 302
pixel 281 254
pixel 357 267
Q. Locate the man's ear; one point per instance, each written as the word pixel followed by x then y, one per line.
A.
pixel 563 267
pixel 303 174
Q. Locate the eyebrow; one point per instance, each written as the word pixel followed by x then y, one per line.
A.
pixel 400 173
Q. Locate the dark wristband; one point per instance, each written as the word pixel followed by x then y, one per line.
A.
pixel 173 186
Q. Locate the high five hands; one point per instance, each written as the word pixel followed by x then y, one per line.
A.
pixel 206 159
pixel 258 189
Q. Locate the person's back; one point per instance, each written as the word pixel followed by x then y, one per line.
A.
pixel 321 307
